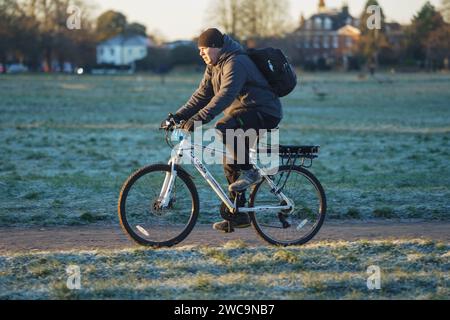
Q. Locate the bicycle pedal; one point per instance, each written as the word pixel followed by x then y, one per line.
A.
pixel 227 231
pixel 229 228
pixel 224 228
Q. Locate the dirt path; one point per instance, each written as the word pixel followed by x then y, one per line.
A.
pixel 112 237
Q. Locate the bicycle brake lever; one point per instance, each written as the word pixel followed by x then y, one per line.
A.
pixel 165 126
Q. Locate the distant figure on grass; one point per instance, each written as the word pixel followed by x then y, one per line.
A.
pixel 232 84
pixel 372 68
pixel 320 94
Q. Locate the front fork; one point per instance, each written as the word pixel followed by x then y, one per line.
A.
pixel 167 188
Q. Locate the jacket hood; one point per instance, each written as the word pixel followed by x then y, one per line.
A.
pixel 230 47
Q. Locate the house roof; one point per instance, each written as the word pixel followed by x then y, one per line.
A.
pixel 349 30
pixel 136 40
pixel 338 18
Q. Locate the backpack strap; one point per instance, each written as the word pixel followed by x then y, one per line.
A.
pixel 254 84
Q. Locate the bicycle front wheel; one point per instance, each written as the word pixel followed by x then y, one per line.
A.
pixel 141 216
pixel 289 227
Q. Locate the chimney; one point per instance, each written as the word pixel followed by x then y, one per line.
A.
pixel 322 6
pixel 302 20
pixel 345 9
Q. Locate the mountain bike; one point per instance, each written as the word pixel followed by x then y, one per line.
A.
pixel 159 204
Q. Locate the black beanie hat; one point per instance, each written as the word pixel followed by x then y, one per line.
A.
pixel 211 38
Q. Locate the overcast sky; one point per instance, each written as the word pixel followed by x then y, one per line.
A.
pixel 184 19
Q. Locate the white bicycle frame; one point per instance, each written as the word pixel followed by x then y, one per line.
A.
pixel 186 149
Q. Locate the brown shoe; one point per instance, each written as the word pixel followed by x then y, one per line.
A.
pixel 246 180
pixel 240 221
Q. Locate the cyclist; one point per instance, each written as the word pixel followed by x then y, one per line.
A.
pixel 232 84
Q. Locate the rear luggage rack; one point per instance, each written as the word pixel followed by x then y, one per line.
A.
pixel 290 154
pixel 310 152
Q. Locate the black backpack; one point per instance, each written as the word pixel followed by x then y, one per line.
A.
pixel 275 67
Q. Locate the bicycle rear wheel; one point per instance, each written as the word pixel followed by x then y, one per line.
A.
pixel 291 227
pixel 143 220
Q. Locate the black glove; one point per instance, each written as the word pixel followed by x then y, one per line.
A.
pixel 177 118
pixel 167 122
pixel 188 125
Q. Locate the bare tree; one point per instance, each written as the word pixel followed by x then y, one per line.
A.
pixel 15 31
pixel 446 10
pixel 373 40
pixel 227 15
pixel 265 18
pixel 57 42
pixel 247 19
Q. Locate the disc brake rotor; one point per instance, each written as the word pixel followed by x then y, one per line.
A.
pixel 156 209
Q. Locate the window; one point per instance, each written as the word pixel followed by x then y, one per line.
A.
pixel 308 25
pixel 306 43
pixel 326 42
pixel 336 42
pixel 112 52
pixel 317 42
pixel 328 24
pixel 348 42
pixel 318 23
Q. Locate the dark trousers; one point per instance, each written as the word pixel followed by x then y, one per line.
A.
pixel 244 119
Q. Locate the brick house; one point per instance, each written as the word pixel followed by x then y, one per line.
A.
pixel 328 37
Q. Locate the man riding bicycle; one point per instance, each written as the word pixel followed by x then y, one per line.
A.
pixel 232 84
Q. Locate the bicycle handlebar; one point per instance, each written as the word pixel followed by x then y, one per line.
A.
pixel 169 123
pixel 169 126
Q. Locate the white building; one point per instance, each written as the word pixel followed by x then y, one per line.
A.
pixel 122 50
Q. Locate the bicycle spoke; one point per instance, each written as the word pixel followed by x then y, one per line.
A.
pixel 289 226
pixel 143 217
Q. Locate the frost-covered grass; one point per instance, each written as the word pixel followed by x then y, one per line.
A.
pixel 68 143
pixel 413 269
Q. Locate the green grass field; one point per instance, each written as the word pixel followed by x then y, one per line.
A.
pixel 68 143
pixel 408 270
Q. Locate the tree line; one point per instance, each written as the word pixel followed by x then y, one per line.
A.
pixel 36 33
pixel 424 43
pixel 250 19
pixel 39 34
